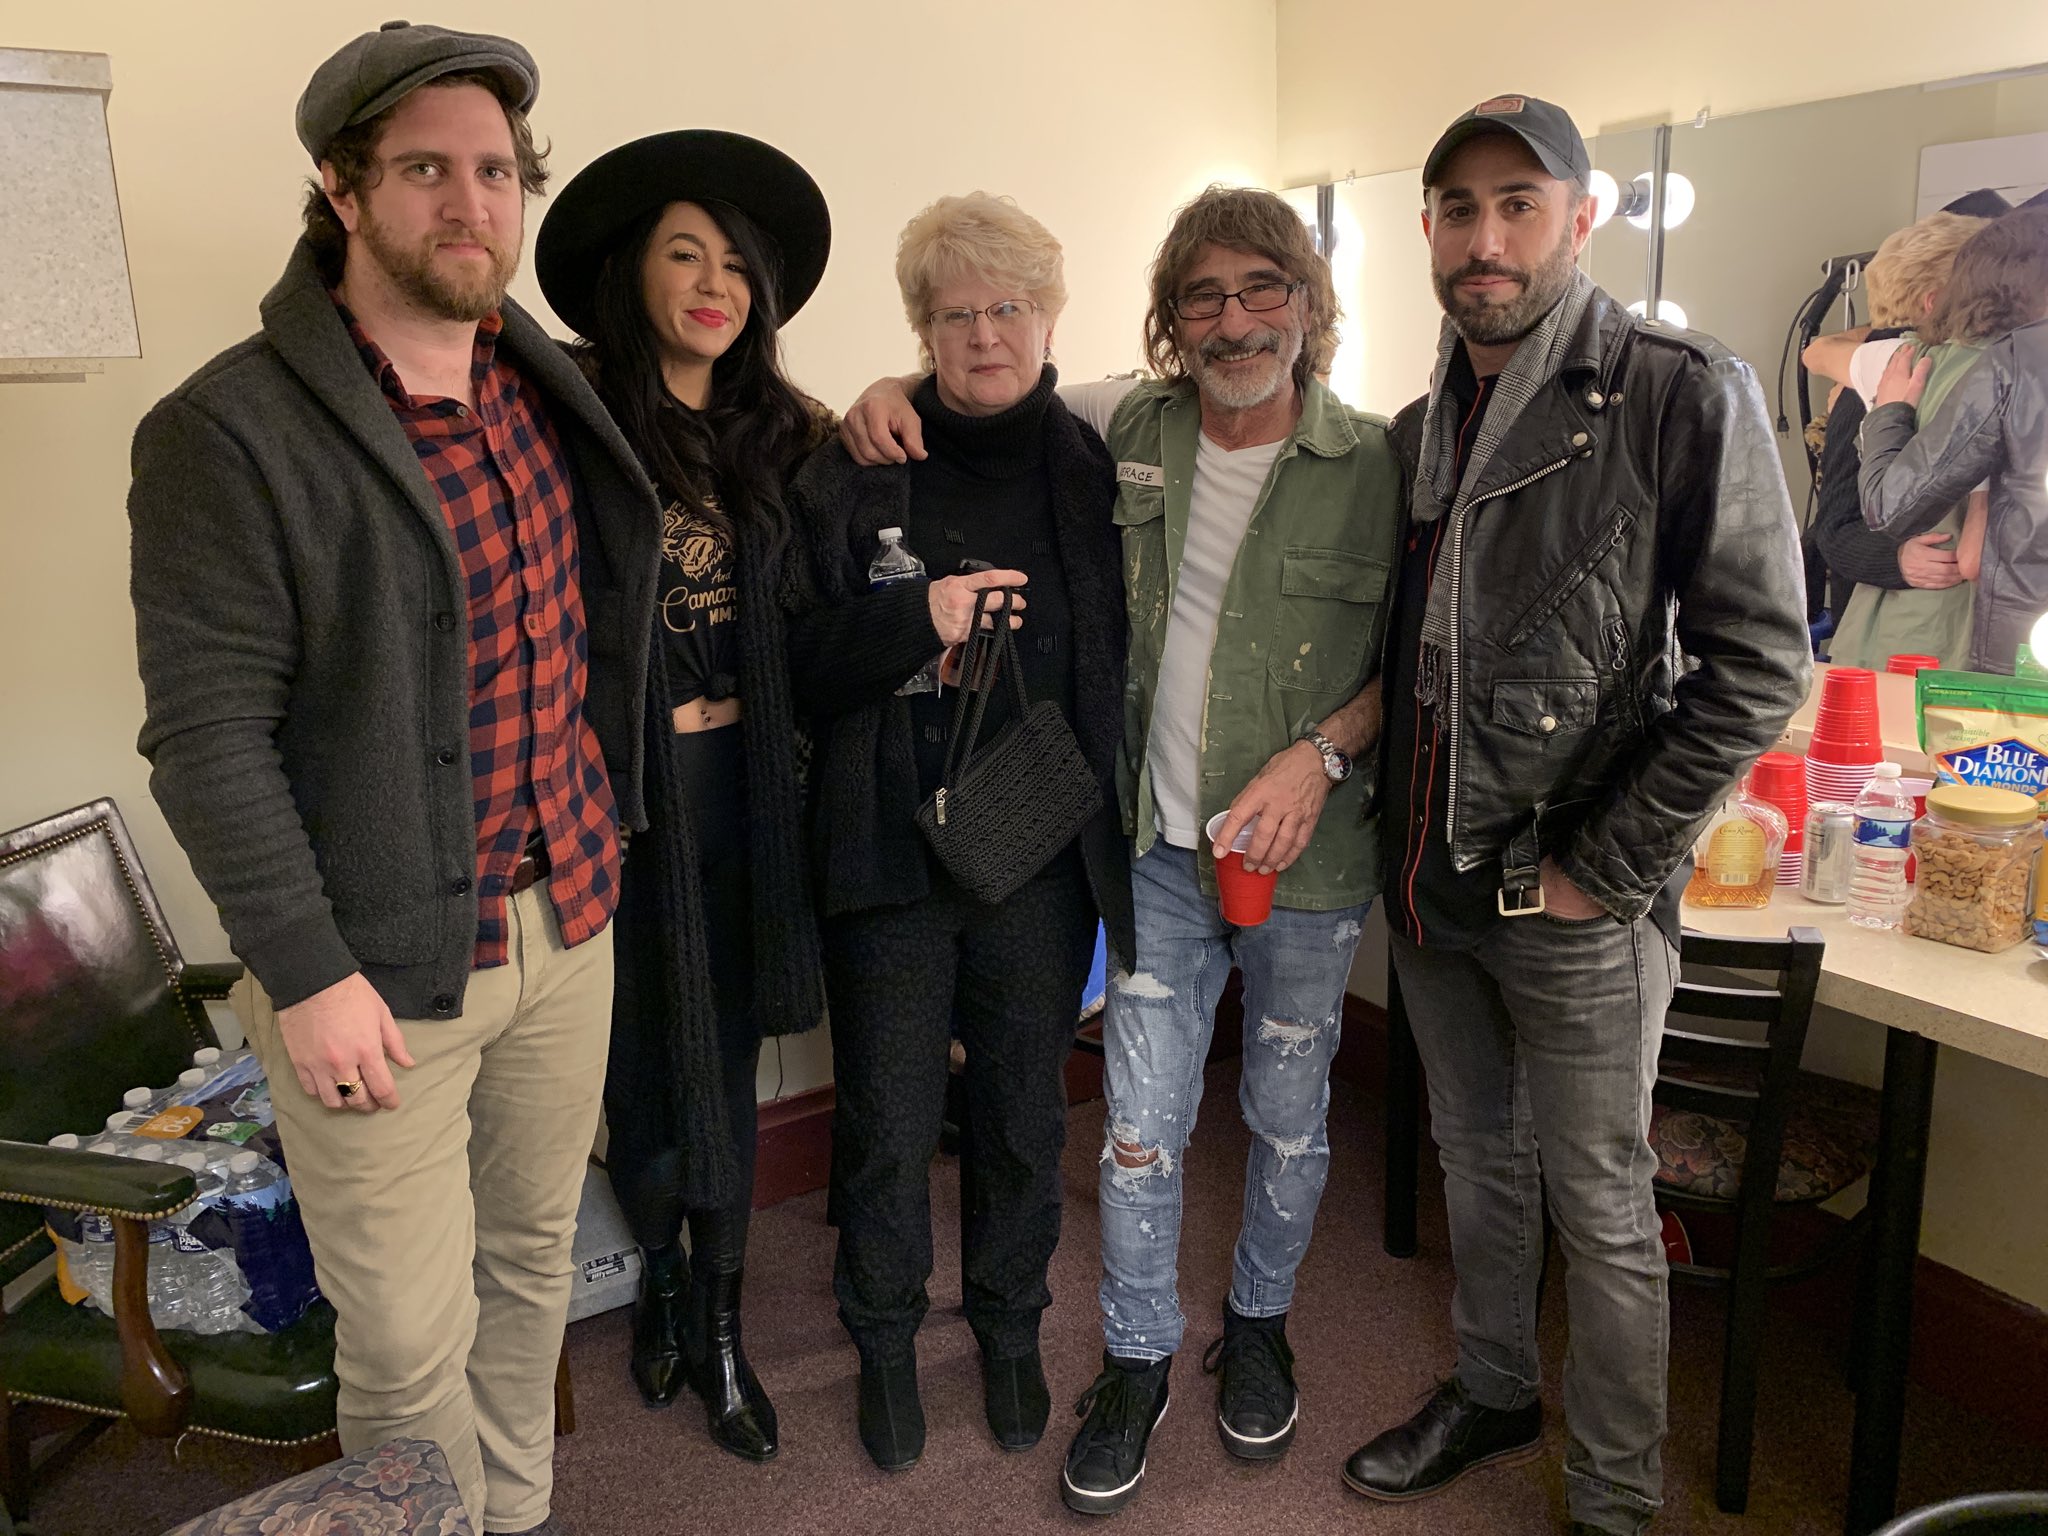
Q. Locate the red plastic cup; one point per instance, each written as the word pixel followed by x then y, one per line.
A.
pixel 1848 704
pixel 1908 665
pixel 1844 685
pixel 1246 898
pixel 1780 777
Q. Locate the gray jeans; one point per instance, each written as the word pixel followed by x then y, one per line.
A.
pixel 1540 1044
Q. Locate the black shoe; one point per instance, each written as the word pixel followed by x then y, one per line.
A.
pixel 658 1321
pixel 1451 1436
pixel 1257 1406
pixel 1014 1393
pixel 741 1417
pixel 891 1417
pixel 1106 1463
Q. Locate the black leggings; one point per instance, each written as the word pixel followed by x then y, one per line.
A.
pixel 899 977
pixel 642 1156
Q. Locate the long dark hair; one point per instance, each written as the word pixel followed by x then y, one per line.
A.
pixel 729 460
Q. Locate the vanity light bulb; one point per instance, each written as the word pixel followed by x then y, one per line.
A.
pixel 1668 313
pixel 1606 196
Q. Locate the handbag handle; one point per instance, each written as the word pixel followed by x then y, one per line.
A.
pixel 970 705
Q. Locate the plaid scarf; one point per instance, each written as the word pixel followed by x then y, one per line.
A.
pixel 1536 361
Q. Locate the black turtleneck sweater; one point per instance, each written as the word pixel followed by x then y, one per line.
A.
pixel 982 494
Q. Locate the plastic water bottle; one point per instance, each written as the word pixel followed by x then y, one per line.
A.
pixel 170 1278
pixel 83 1258
pixel 216 1287
pixel 1883 838
pixel 138 1105
pixel 894 564
pixel 118 1139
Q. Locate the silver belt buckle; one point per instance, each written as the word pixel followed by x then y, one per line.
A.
pixel 1522 906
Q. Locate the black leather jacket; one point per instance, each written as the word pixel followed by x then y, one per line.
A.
pixel 1993 426
pixel 1631 616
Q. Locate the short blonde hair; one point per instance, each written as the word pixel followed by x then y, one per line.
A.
pixel 1912 264
pixel 979 235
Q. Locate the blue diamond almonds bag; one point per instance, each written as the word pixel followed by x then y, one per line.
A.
pixel 1981 728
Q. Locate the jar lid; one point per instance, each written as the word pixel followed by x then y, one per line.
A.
pixel 1980 805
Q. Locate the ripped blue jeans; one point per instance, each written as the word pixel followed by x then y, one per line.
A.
pixel 1156 1038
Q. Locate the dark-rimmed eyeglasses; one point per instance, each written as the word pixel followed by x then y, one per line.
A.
pixel 1002 314
pixel 1256 299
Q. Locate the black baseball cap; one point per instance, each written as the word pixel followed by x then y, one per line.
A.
pixel 1552 137
pixel 380 68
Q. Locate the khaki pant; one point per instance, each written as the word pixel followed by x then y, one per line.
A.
pixel 441 1230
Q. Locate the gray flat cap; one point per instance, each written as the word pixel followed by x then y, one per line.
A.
pixel 375 70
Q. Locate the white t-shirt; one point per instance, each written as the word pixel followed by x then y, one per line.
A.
pixel 1867 364
pixel 1227 486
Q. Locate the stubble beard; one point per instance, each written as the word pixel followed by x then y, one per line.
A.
pixel 1493 325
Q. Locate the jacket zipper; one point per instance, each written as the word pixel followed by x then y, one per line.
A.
pixel 1457 636
pixel 1587 561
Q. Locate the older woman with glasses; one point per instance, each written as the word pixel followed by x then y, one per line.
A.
pixel 1012 492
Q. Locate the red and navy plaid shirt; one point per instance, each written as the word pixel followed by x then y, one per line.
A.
pixel 503 483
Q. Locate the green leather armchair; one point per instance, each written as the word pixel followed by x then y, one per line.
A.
pixel 94 999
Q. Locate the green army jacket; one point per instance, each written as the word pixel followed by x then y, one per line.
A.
pixel 1303 618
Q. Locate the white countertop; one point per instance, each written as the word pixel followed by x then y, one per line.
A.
pixel 1994 1006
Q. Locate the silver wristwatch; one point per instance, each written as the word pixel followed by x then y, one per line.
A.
pixel 1336 763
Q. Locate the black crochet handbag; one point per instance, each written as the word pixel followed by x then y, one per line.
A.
pixel 1003 811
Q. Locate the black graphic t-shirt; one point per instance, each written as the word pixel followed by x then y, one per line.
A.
pixel 699 603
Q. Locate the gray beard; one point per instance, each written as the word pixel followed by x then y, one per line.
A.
pixel 1243 394
pixel 1495 325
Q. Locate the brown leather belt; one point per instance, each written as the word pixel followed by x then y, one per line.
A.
pixel 533 867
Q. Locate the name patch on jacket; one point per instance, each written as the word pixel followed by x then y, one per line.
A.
pixel 1129 473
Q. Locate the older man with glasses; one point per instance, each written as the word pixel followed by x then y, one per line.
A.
pixel 1259 518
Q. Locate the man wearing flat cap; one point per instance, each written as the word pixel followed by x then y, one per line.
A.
pixel 1599 623
pixel 393 570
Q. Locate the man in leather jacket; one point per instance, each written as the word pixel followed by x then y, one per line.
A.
pixel 1599 625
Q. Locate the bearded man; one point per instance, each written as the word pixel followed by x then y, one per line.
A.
pixel 1599 625
pixel 393 573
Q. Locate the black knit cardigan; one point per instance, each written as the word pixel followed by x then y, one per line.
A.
pixel 663 979
pixel 850 649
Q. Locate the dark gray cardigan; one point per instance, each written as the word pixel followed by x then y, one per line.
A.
pixel 850 649
pixel 302 633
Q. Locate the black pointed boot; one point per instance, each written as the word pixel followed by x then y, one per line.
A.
pixel 741 1417
pixel 658 1358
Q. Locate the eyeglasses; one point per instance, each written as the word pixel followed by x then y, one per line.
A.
pixel 1004 315
pixel 1253 300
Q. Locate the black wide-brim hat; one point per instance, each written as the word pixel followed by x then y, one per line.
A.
pixel 690 165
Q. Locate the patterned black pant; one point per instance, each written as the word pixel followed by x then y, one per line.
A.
pixel 900 978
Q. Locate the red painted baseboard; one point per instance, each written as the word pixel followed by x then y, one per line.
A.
pixel 793 1146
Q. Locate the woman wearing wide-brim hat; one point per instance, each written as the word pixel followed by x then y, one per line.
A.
pixel 676 258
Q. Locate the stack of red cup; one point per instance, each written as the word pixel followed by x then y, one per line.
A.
pixel 1780 778
pixel 1846 747
pixel 1912 664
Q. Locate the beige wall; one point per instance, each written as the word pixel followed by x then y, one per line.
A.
pixel 1367 86
pixel 888 105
